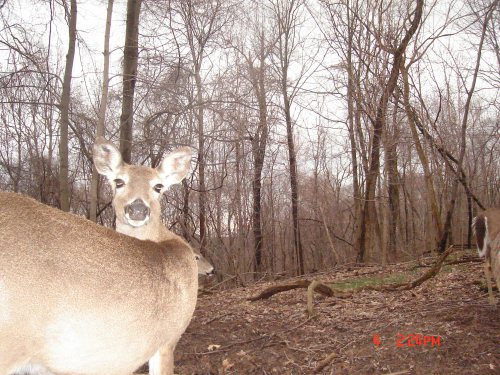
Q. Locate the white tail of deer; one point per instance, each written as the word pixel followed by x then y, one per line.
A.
pixel 486 228
pixel 137 191
pixel 78 298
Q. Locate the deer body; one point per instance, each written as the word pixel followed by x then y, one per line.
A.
pixel 78 298
pixel 137 191
pixel 486 227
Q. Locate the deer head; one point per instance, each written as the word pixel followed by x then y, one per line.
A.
pixel 137 189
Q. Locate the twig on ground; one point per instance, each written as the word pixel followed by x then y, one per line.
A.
pixel 325 362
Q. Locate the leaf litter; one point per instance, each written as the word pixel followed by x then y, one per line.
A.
pixel 370 332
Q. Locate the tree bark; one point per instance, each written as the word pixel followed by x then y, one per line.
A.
pixel 201 158
pixel 294 186
pixel 185 211
pixel 369 209
pixel 259 142
pixel 351 114
pixel 130 59
pixel 286 18
pixel 391 167
pixel 102 111
pixel 64 106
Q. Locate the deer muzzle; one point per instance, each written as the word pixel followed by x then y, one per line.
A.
pixel 137 211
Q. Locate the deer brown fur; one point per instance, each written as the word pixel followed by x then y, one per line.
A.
pixel 78 298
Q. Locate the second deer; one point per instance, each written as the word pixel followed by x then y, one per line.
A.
pixel 486 228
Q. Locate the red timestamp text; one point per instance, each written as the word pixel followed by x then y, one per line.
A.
pixel 417 339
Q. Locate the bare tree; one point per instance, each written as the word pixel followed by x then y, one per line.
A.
pixel 412 122
pixel 259 142
pixel 369 219
pixel 287 15
pixel 382 141
pixel 202 21
pixel 463 141
pixel 102 111
pixel 130 59
pixel 71 15
pixel 257 71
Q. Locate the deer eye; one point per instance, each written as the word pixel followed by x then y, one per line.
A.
pixel 158 188
pixel 119 183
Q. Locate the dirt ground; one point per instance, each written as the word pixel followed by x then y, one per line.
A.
pixel 444 326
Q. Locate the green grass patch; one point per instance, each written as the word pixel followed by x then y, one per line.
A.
pixel 368 281
pixel 447 268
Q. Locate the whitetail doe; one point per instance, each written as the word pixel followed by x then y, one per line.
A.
pixel 79 298
pixel 137 192
pixel 486 228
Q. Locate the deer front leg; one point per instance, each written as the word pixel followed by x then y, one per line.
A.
pixel 487 274
pixel 162 362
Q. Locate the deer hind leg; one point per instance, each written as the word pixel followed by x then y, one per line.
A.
pixel 487 274
pixel 162 362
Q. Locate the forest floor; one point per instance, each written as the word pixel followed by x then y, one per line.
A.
pixel 444 326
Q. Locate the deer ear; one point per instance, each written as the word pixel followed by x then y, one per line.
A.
pixel 175 166
pixel 107 158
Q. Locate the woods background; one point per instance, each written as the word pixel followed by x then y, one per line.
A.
pixel 324 132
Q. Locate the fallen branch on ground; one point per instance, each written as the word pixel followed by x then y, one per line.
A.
pixel 433 271
pixel 325 362
pixel 326 290
pixel 299 284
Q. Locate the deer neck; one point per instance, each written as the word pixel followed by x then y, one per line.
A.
pixel 150 231
pixel 154 230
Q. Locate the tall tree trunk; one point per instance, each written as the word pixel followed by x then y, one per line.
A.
pixel 102 111
pixel 240 232
pixel 64 106
pixel 351 114
pixel 199 28
pixel 201 158
pixel 294 186
pixel 391 165
pixel 185 211
pixel 412 122
pixel 130 58
pixel 470 92
pixel 259 143
pixel 369 215
pixel 391 214
pixel 256 205
pixel 470 217
pixel 286 17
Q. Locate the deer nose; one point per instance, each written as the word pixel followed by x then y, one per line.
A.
pixel 137 210
pixel 211 272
